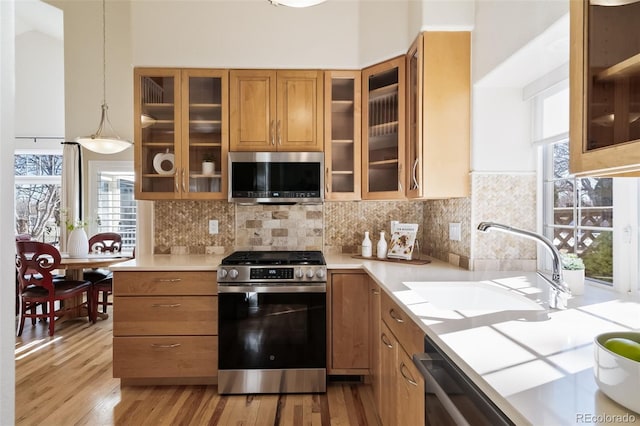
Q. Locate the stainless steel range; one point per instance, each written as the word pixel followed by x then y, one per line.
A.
pixel 272 322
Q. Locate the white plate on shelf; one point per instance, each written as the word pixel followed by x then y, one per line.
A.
pixel 163 163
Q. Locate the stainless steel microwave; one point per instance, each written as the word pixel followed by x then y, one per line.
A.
pixel 276 177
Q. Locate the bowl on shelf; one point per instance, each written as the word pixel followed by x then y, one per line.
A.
pixel 617 376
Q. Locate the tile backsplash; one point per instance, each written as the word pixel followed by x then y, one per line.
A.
pixel 339 226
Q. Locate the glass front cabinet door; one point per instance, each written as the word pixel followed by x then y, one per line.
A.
pixel 181 133
pixel 605 88
pixel 342 121
pixel 383 138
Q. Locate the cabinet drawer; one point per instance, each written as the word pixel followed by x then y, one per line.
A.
pixel 163 356
pixel 165 315
pixel 140 283
pixel 409 335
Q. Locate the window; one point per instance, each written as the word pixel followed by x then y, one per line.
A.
pixel 37 193
pixel 596 218
pixel 112 200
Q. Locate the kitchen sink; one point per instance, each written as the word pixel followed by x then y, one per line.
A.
pixel 472 296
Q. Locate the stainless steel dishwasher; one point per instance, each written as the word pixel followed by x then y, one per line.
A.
pixel 451 398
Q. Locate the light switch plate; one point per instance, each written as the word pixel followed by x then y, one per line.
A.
pixel 213 226
pixel 455 231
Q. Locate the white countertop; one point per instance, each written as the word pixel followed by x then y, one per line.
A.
pixel 537 368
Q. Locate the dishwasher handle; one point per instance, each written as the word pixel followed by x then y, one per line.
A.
pixel 425 365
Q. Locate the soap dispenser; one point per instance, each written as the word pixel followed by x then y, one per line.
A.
pixel 382 247
pixel 366 245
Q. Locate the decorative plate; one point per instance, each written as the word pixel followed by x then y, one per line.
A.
pixel 163 163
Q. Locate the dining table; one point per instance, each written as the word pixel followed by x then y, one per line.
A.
pixel 74 268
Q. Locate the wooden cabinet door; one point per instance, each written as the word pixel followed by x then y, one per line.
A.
pixel 604 89
pixel 342 132
pixel 388 382
pixel 374 333
pixel 383 130
pixel 410 392
pixel 157 130
pixel 252 110
pixel 205 109
pixel 349 294
pixel 439 115
pixel 299 121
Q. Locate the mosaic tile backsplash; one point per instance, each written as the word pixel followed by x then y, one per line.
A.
pixel 339 226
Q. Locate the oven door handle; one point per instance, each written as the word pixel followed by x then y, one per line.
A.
pixel 314 288
pixel 433 384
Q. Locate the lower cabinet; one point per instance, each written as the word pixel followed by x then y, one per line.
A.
pixel 348 334
pixel 165 326
pixel 399 387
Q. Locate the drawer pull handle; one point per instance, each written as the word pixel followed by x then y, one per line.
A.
pixel 165 346
pixel 166 305
pixel 392 314
pixel 168 280
pixel 409 379
pixel 386 341
pixel 375 292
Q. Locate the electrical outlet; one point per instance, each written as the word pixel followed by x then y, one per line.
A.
pixel 455 231
pixel 213 226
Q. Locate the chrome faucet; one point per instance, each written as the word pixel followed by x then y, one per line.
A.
pixel 559 290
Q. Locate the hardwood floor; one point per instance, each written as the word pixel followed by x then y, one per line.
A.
pixel 67 380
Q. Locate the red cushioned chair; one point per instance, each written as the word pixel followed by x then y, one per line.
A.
pixel 105 242
pixel 35 262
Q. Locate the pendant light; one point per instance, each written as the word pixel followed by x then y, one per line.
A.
pixel 100 142
pixel 296 3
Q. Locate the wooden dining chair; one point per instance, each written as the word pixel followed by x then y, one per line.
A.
pixel 35 262
pixel 105 242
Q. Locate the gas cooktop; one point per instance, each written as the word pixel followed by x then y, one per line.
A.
pixel 283 257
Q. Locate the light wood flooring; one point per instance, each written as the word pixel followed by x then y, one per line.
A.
pixel 67 380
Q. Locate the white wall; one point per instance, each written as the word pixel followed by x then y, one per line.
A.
pixel 503 26
pixel 39 85
pixel 7 247
pixel 501 131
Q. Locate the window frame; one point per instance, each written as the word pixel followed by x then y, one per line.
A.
pixel 93 168
pixel 626 196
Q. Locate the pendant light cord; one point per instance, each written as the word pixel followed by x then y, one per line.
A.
pixel 104 52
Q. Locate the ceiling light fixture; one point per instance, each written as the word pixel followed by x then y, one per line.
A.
pixel 99 142
pixel 296 3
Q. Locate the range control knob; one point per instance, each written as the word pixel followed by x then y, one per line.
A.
pixel 222 273
pixel 310 273
pixel 299 273
pixel 233 274
pixel 320 273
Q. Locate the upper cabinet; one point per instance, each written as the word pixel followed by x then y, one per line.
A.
pixel 438 115
pixel 605 88
pixel 383 136
pixel 342 146
pixel 276 110
pixel 181 133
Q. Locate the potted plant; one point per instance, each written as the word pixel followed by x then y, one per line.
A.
pixel 208 166
pixel 573 272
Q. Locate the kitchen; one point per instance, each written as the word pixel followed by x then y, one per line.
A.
pixel 514 161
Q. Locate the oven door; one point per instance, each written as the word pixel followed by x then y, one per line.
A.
pixel 272 339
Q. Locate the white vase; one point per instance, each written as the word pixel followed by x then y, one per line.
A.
pixel 574 278
pixel 78 243
pixel 366 245
pixel 381 249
